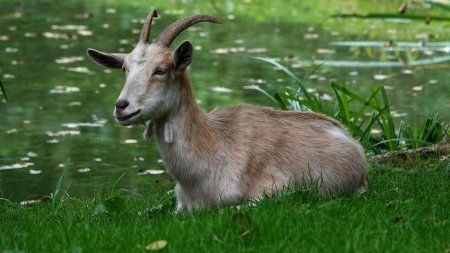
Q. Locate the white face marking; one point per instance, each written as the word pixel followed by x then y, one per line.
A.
pixel 339 134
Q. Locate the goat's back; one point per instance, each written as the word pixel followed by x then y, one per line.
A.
pixel 272 149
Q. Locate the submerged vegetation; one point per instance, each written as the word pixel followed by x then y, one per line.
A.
pixel 369 119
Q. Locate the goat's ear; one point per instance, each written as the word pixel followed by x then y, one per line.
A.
pixel 183 55
pixel 113 61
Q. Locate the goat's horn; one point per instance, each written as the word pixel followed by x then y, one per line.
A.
pixel 147 27
pixel 169 34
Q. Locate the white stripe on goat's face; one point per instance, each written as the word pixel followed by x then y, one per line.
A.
pixel 149 92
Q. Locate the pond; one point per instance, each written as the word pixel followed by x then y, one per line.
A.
pixel 60 103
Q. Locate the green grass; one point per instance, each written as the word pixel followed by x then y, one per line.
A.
pixel 404 210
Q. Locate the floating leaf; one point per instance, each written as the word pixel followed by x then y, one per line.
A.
pixel 8 76
pixel 130 141
pixel 407 72
pixel 35 172
pixel 11 50
pixel 11 131
pixel 85 32
pixel 311 36
pixel 30 35
pixel 228 50
pixel 59 89
pixel 174 12
pixel 380 77
pixel 50 35
pixel 325 51
pixel 63 133
pixel 139 158
pixel 98 123
pixel 70 59
pixel 221 89
pixel 75 103
pixel 257 50
pixel 69 27
pixel 111 11
pixel 16 166
pixel 79 69
pixel 156 245
pixel 85 15
pixel 151 172
pixel 31 154
pixel 84 170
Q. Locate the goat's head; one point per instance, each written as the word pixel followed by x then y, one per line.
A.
pixel 152 71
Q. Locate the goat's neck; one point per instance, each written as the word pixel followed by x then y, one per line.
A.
pixel 186 122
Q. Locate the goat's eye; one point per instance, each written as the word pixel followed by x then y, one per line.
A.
pixel 159 72
pixel 124 70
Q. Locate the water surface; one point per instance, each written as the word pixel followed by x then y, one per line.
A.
pixel 60 103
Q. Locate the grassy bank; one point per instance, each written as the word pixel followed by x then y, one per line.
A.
pixel 404 210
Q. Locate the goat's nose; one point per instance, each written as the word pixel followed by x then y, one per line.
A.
pixel 122 104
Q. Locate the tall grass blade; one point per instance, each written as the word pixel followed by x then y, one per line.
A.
pixel 3 90
pixel 56 200
pixel 277 102
pixel 402 139
pixel 289 73
pixel 353 95
pixel 281 67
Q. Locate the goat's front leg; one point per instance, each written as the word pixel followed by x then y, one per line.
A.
pixel 182 199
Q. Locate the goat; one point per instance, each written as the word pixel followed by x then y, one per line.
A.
pixel 229 155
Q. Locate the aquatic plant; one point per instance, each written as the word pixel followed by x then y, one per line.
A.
pixel 362 116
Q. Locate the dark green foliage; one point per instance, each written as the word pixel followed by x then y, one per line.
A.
pixel 360 115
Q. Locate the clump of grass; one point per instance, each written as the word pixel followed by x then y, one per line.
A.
pixel 360 115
